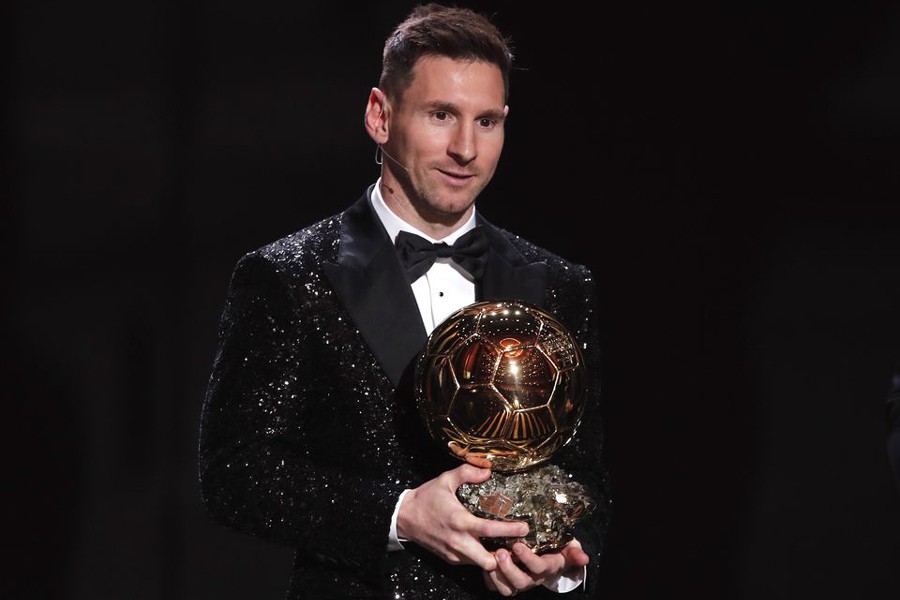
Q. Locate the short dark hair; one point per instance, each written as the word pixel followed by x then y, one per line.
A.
pixel 436 30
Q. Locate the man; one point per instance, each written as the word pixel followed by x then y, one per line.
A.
pixel 309 432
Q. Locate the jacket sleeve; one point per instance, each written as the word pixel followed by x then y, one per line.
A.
pixel 259 471
pixel 583 457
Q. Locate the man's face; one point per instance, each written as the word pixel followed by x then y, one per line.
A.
pixel 448 133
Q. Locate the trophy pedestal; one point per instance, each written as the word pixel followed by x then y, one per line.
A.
pixel 545 497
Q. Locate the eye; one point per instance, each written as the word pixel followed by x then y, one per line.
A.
pixel 441 115
pixel 487 122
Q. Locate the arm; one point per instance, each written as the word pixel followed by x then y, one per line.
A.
pixel 262 469
pixel 584 456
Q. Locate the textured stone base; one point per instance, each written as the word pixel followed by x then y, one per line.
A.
pixel 545 497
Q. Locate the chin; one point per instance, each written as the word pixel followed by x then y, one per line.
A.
pixel 454 209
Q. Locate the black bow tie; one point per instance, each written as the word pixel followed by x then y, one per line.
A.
pixel 418 254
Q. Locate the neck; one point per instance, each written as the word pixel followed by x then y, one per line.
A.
pixel 436 225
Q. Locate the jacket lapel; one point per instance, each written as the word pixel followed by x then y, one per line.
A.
pixel 371 284
pixel 508 275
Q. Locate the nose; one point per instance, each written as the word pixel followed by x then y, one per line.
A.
pixel 463 147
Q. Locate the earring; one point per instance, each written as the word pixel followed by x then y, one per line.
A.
pixel 378 158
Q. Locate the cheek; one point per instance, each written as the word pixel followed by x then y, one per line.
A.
pixel 422 150
pixel 492 148
pixel 435 143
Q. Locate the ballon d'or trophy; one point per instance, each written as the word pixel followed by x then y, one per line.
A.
pixel 502 385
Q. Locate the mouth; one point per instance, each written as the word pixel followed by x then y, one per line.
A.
pixel 456 177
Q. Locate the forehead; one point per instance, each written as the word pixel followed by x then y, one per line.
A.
pixel 443 79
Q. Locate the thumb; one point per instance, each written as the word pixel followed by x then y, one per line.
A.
pixel 575 555
pixel 467 473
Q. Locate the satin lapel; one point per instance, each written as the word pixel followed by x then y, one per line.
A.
pixel 508 275
pixel 371 284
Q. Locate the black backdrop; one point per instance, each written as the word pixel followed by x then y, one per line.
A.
pixel 729 172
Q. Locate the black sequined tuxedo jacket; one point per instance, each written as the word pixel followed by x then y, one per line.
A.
pixel 309 431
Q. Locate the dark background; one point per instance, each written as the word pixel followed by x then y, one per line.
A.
pixel 730 173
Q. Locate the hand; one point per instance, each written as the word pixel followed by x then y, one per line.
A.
pixel 523 569
pixel 432 516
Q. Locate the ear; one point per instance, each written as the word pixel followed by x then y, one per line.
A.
pixel 376 116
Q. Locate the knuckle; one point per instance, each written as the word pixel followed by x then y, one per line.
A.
pixel 457 521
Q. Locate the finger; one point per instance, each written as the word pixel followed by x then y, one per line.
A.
pixel 496 583
pixel 543 565
pixel 575 556
pixel 509 577
pixel 489 581
pixel 471 551
pixel 461 546
pixel 464 532
pixel 489 528
pixel 467 473
pixel 465 521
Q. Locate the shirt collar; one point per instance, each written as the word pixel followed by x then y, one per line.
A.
pixel 394 224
